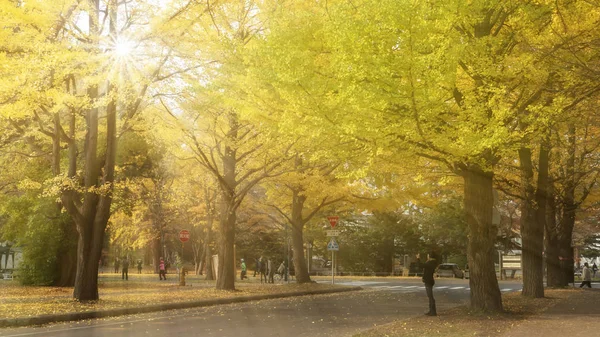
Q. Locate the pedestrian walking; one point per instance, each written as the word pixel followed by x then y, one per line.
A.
pixel 594 269
pixel 257 269
pixel 162 272
pixel 139 266
pixel 243 274
pixel 125 270
pixel 117 265
pixel 587 276
pixel 428 270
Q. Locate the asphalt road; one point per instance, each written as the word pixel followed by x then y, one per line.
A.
pixel 324 315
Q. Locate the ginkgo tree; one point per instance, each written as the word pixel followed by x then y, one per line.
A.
pixel 435 80
pixel 71 79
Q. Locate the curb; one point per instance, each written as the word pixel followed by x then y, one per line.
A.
pixel 76 316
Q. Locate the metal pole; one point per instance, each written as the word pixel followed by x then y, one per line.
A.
pixel 332 267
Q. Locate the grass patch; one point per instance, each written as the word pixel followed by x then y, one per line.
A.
pixel 27 301
pixel 461 321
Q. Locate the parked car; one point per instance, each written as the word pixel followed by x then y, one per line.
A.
pixel 449 270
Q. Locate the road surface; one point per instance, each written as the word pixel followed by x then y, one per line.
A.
pixel 341 314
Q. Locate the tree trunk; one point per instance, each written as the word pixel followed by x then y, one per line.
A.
pixel 226 272
pixel 67 260
pixel 208 251
pixel 554 276
pixel 479 202
pixel 300 267
pixel 531 231
pixel 88 256
pixel 91 210
pixel 156 251
pixel 569 207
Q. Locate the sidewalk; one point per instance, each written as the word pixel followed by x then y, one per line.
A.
pixel 576 316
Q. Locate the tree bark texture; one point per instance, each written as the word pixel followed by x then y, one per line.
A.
pixel 554 276
pixel 67 259
pixel 300 267
pixel 479 202
pixel 226 272
pixel 531 231
pixel 91 211
pixel 67 255
pixel 157 251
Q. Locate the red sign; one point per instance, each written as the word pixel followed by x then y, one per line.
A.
pixel 333 220
pixel 184 235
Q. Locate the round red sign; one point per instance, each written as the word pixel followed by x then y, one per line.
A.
pixel 184 235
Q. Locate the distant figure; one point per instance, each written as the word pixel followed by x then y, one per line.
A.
pixel 428 270
pixel 270 271
pixel 162 272
pixel 587 276
pixel 594 269
pixel 117 265
pixel 139 266
pixel 125 270
pixel 257 269
pixel 243 274
pixel 263 269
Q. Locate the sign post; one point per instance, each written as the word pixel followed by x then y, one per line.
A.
pixel 333 245
pixel 333 220
pixel 184 235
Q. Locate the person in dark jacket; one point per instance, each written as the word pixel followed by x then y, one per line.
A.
pixel 428 280
pixel 125 269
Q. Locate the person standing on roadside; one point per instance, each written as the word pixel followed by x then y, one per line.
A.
pixel 428 270
pixel 125 270
pixel 594 269
pixel 162 272
pixel 587 276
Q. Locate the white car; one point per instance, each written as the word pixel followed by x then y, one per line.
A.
pixel 449 270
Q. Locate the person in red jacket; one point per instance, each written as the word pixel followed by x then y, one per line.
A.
pixel 162 272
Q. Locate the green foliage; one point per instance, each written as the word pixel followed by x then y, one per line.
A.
pixel 375 242
pixel 444 228
pixel 29 224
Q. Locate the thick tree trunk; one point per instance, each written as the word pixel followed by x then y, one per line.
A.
pixel 531 231
pixel 479 202
pixel 88 255
pixel 554 276
pixel 157 252
pixel 226 272
pixel 300 267
pixel 91 211
pixel 67 260
pixel 569 207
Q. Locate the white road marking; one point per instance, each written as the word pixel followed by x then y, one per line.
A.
pixel 454 288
